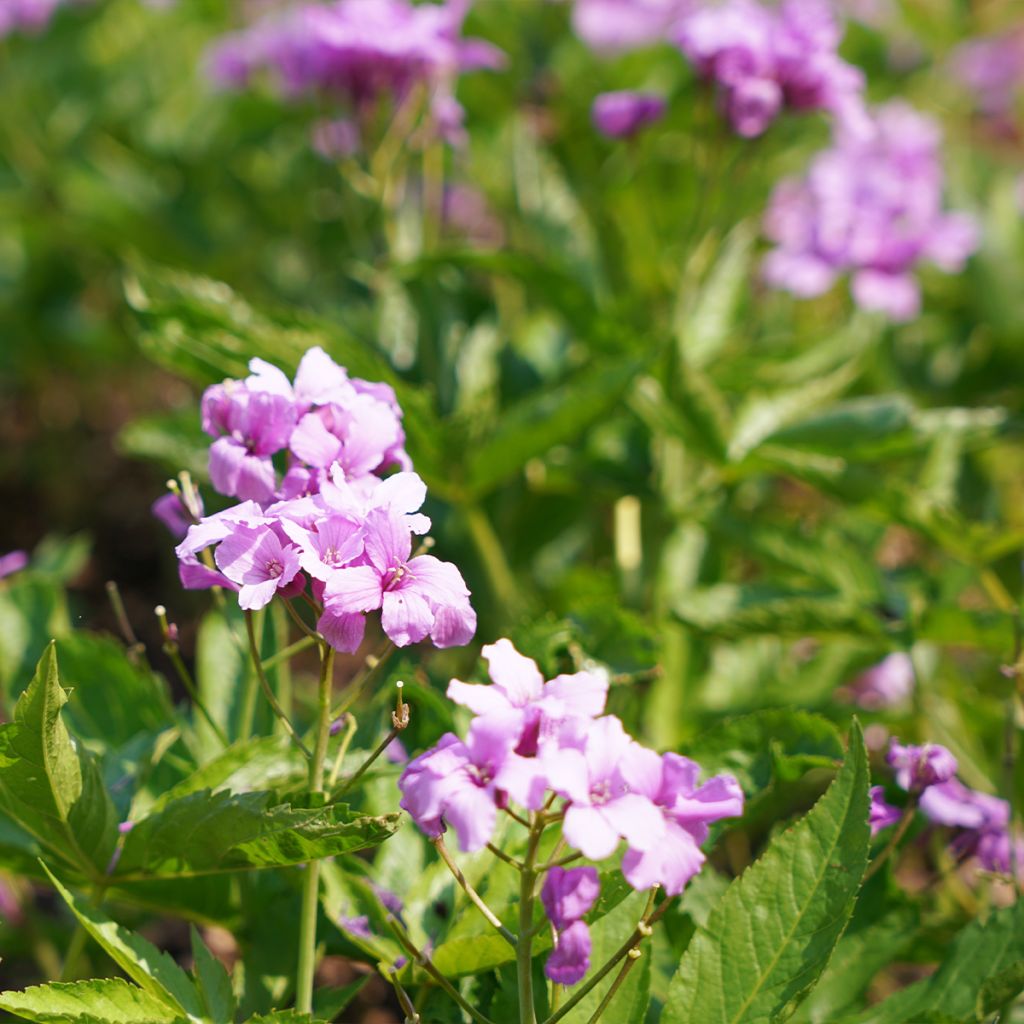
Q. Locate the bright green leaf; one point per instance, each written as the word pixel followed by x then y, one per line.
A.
pixel 100 1001
pixel 771 935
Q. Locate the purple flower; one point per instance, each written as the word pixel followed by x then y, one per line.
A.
pixel 255 426
pixel 870 206
pixel 418 597
pixel 992 68
pixel 585 768
pixel 570 959
pixel 26 15
pixel 568 893
pixel 257 561
pixel 464 784
pixel 518 686
pixel 953 803
pixel 617 26
pixel 12 562
pixel 881 814
pixel 622 114
pixel 917 768
pixel 357 51
pixel 329 544
pixel 171 511
pixel 885 684
pixel 765 58
pixel 318 380
pixel 671 783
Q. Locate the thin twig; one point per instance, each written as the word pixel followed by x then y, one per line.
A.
pixel 289 652
pixel 268 692
pixel 502 855
pixel 427 964
pixel 346 740
pixel 627 965
pixel 894 840
pixel 411 1016
pixel 475 898
pixel 136 650
pixel 373 664
pixel 311 634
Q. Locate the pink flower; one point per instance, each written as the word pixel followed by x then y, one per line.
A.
pixel 570 959
pixel 919 767
pixel 329 544
pixel 670 782
pixel 12 562
pixel 568 893
pixel 464 784
pixel 171 511
pixel 620 115
pixel 881 814
pixel 257 561
pixel 585 768
pixel 519 686
pixel 418 597
pixel 889 682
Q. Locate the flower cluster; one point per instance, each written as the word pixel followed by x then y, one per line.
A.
pixel 617 26
pixel 548 744
pixel 330 515
pixel 870 206
pixel 883 685
pixel 982 820
pixel 358 51
pixel 620 115
pixel 765 59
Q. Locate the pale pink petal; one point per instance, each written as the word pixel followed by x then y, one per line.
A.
pixel 353 589
pixel 512 672
pixel 583 693
pixel 587 830
pixel 670 864
pixel 403 492
pixel 471 811
pixel 252 596
pixel 454 624
pixel 312 442
pixel 406 617
pixel 481 700
pixel 342 630
pixel 636 819
pixel 388 540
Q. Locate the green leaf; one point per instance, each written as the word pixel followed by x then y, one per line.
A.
pixel 629 1005
pixel 762 747
pixel 32 612
pixel 212 981
pixel 551 417
pixel 282 1017
pixel 704 330
pixel 699 416
pixel 154 971
pixel 221 669
pixel 983 970
pixel 732 611
pixel 206 832
pixel 329 1002
pixel 101 1001
pixel 50 786
pixel 771 935
pixel 859 956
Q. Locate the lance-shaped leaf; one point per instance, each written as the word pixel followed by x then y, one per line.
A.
pixel 983 971
pixel 212 981
pixel 155 972
pixel 212 832
pixel 49 785
pixel 771 935
pixel 100 1001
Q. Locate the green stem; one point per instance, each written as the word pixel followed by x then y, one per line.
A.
pixel 247 711
pixel 524 945
pixel 381 747
pixel 627 965
pixel 268 692
pixel 311 881
pixel 171 650
pixel 492 554
pixel 75 949
pixel 288 652
pixel 474 897
pixel 346 741
pixel 283 675
pixel 894 840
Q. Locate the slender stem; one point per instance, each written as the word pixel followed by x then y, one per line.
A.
pixel 492 555
pixel 474 897
pixel 894 840
pixel 288 652
pixel 311 634
pixel 562 862
pixel 283 674
pixel 502 855
pixel 135 649
pixel 642 930
pixel 524 946
pixel 269 693
pixel 346 742
pixel 311 881
pixel 381 747
pixel 76 947
pixel 517 817
pixel 428 965
pixel 374 662
pixel 172 652
pixel 411 1016
pixel 627 965
pixel 247 711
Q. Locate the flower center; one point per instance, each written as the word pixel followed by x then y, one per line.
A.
pixel 481 774
pixel 274 568
pixel 394 575
pixel 600 793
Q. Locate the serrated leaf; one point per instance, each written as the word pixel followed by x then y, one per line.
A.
pixel 329 1002
pixel 771 935
pixel 283 1017
pixel 152 970
pixel 983 970
pixel 536 424
pixel 100 1001
pixel 50 786
pixel 211 832
pixel 212 981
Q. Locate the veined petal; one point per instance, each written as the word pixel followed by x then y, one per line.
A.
pixel 405 616
pixel 253 596
pixel 513 673
pixel 587 830
pixel 342 630
pixel 636 819
pixel 356 588
pixel 312 442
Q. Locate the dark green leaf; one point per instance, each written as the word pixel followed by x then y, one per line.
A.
pixel 50 786
pixel 771 935
pixel 212 982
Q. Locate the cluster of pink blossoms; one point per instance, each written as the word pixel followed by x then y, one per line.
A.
pixel 308 461
pixel 982 821
pixel 533 742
